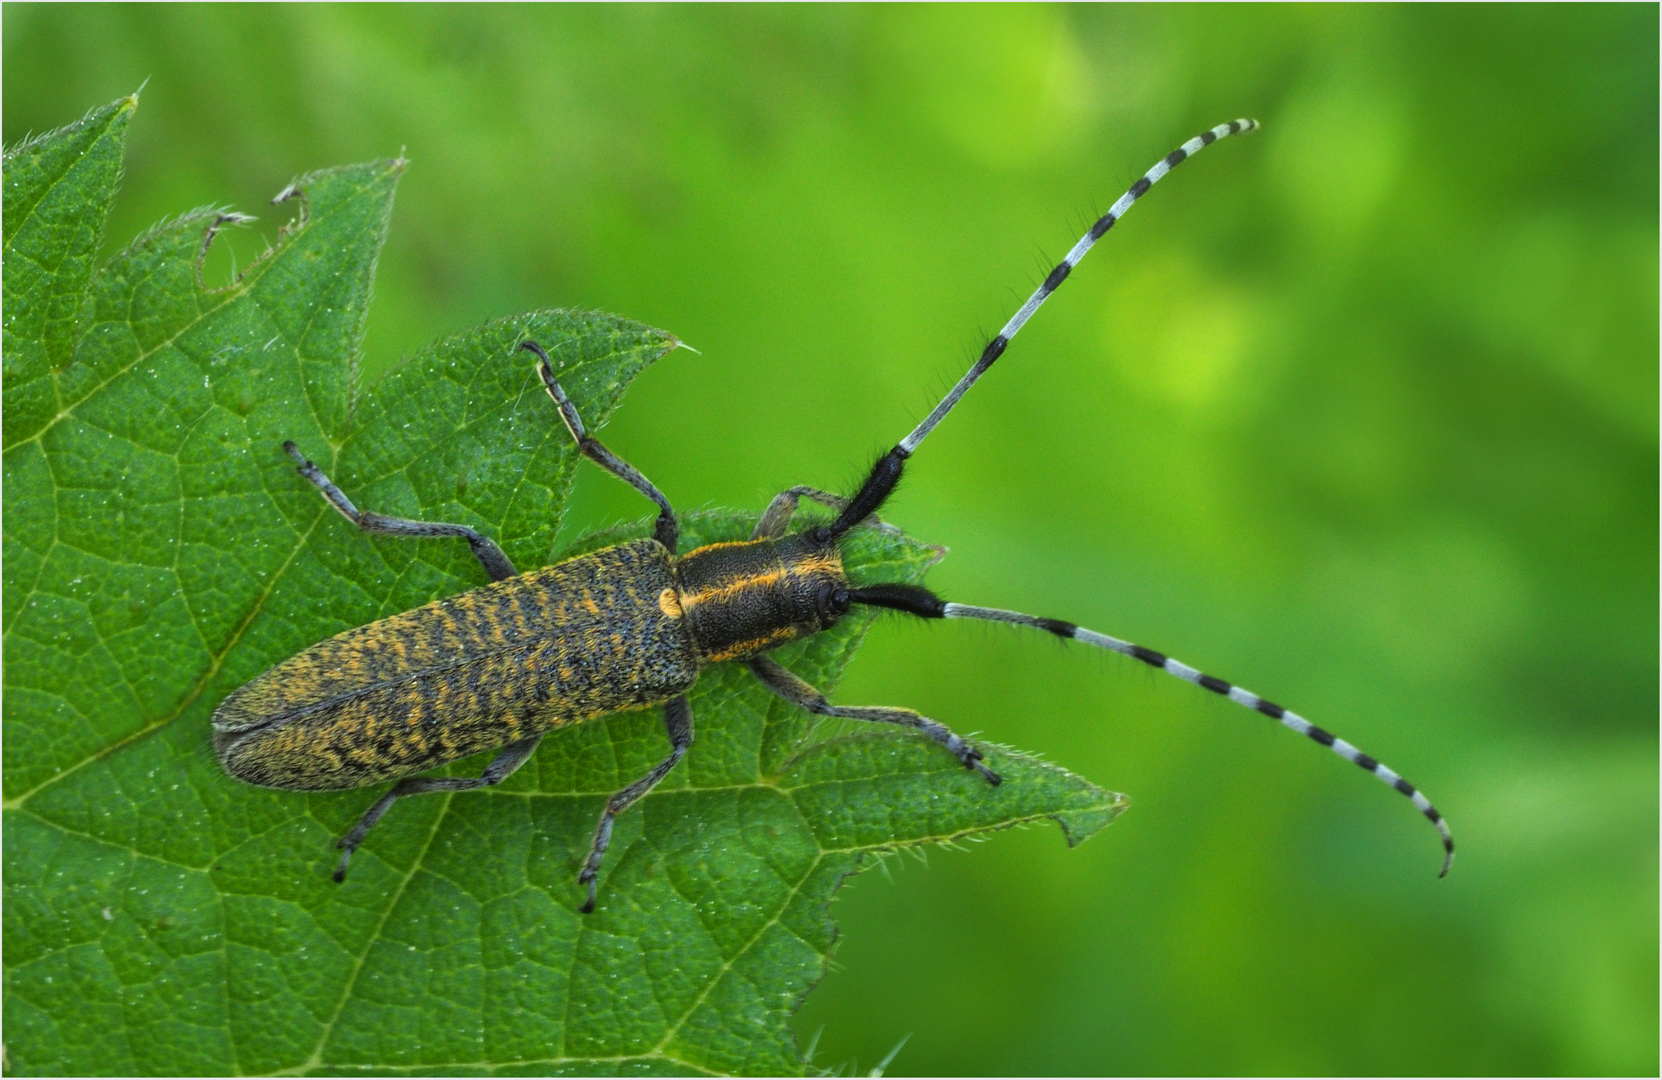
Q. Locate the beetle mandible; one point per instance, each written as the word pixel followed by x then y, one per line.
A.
pixel 628 626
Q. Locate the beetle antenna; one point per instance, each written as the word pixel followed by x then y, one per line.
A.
pixel 886 473
pixel 916 600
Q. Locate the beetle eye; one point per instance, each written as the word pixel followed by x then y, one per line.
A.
pixel 833 600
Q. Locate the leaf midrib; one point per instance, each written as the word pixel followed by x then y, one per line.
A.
pixel 214 666
pixel 18 152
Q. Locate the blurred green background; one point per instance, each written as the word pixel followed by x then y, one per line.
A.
pixel 1360 411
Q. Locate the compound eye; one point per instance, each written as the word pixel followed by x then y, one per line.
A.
pixel 833 600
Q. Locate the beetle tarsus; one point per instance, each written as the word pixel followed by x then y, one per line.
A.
pixel 972 759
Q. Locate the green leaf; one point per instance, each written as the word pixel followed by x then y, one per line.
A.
pixel 58 191
pixel 163 918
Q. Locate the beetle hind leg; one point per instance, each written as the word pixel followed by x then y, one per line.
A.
pixel 678 719
pixel 501 767
pixel 491 557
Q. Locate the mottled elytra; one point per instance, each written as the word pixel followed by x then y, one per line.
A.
pixel 497 667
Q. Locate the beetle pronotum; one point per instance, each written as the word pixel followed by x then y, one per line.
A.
pixel 500 665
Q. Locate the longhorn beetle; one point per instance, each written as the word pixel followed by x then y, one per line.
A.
pixel 624 627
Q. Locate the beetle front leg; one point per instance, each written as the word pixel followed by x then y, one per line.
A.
pixel 679 720
pixel 777 517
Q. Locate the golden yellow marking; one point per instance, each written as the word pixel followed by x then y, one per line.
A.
pixel 816 566
pixel 755 645
pixel 731 588
pixel 669 604
pixel 725 544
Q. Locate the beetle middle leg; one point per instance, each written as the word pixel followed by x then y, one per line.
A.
pixel 501 767
pixel 491 557
pixel 668 530
pixel 678 719
pixel 793 689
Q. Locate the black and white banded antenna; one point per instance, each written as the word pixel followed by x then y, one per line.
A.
pixel 886 473
pixel 920 601
pixel 995 347
pixel 1234 693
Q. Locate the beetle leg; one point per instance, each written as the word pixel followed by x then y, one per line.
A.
pixel 501 767
pixel 668 531
pixel 678 719
pixel 490 556
pixel 782 682
pixel 777 518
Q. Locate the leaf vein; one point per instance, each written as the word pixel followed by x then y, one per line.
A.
pixel 195 692
pixel 316 1058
